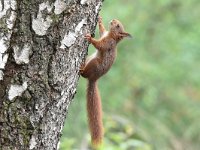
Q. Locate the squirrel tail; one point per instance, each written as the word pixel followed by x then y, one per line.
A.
pixel 94 113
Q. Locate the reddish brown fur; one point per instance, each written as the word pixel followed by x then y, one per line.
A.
pixel 94 113
pixel 96 66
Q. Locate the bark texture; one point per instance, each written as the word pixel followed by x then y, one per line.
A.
pixel 41 50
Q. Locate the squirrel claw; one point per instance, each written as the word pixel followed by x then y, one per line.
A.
pixel 81 71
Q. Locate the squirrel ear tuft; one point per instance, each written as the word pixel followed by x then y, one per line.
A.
pixel 125 34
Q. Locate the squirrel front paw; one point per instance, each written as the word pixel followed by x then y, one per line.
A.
pixel 100 20
pixel 88 37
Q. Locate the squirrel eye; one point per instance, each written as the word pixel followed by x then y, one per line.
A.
pixel 117 26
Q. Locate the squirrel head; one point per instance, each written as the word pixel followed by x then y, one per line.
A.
pixel 117 30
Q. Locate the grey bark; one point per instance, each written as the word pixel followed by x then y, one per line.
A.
pixel 41 50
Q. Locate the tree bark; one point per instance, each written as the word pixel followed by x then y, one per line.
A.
pixel 42 46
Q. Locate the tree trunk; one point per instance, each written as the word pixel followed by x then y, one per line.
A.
pixel 41 50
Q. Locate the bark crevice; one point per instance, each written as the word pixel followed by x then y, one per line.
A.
pixel 46 80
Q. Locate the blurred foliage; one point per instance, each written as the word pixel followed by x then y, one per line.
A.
pixel 151 95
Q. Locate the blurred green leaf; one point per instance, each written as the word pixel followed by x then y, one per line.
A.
pixel 151 95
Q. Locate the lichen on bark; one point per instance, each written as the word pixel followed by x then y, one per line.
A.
pixel 41 68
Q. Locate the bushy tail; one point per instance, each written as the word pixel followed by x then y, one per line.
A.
pixel 94 113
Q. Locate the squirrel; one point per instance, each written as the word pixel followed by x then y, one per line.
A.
pixel 96 66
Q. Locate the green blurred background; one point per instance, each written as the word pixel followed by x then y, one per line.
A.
pixel 151 95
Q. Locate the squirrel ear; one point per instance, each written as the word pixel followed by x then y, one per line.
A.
pixel 125 34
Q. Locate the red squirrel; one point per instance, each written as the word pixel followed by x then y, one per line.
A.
pixel 96 66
